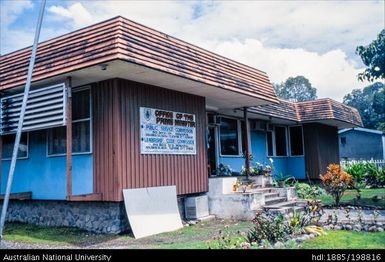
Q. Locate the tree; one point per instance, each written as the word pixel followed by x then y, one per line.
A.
pixel 369 101
pixel 296 88
pixel 373 56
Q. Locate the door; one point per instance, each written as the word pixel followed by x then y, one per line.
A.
pixel 212 150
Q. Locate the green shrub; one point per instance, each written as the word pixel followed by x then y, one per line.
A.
pixel 357 171
pixel 373 177
pixel 284 181
pixel 268 227
pixel 366 174
pixel 307 191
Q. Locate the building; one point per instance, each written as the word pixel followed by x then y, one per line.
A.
pixel 145 109
pixel 361 144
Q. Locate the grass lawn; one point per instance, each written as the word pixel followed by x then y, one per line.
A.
pixel 347 240
pixel 193 237
pixel 366 198
pixel 50 235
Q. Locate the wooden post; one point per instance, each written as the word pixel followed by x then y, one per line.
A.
pixel 1 160
pixel 69 136
pixel 247 149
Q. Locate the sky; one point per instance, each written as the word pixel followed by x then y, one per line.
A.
pixel 316 39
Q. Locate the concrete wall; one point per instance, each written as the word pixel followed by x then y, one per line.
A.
pixel 46 176
pixel 361 145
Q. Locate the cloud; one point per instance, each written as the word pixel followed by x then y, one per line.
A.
pixel 169 16
pixel 75 12
pixel 10 10
pixel 12 39
pixel 331 73
pixel 313 25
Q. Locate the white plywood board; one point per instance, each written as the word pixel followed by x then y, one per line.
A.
pixel 152 210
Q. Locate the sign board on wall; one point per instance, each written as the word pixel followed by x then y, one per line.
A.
pixel 167 132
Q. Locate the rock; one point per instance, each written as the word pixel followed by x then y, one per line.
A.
pixel 279 244
pixel 380 229
pixel 300 239
pixel 348 227
pixel 372 229
pixel 357 228
pixel 306 237
pixel 378 224
pixel 114 229
pixel 337 227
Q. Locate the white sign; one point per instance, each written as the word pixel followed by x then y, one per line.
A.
pixel 167 132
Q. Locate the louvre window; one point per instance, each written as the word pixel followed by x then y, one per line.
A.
pixel 45 108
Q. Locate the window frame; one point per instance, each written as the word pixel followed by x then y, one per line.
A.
pixel 287 141
pixel 303 141
pixel 21 158
pixel 239 134
pixel 90 118
pixel 272 142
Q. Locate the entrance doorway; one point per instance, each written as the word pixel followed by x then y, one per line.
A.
pixel 212 150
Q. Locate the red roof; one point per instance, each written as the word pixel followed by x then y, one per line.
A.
pixel 311 111
pixel 122 39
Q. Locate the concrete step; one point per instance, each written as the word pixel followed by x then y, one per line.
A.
pixel 280 204
pixel 271 195
pixel 263 190
pixel 285 207
pixel 285 210
pixel 275 200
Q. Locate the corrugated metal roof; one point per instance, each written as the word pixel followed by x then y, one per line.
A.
pixel 310 111
pixel 120 38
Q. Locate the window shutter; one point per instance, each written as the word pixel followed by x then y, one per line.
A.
pixel 45 109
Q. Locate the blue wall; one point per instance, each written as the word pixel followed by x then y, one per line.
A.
pixel 46 176
pixel 290 166
pixel 293 166
pixel 361 145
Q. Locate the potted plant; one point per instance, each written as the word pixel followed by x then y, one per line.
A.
pixel 237 185
pixel 282 181
pixel 224 170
